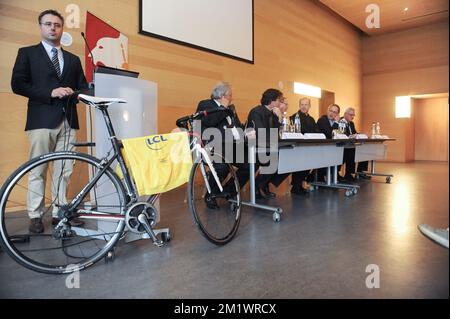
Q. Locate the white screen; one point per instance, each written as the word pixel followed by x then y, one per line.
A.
pixel 222 26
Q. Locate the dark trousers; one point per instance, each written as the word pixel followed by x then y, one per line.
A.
pixel 263 180
pixel 222 170
pixel 322 172
pixel 350 165
pixel 277 179
pixel 299 177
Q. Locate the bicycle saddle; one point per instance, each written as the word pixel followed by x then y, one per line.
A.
pixel 99 100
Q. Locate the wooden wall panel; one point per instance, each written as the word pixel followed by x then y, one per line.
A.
pixel 431 127
pixel 295 40
pixel 403 63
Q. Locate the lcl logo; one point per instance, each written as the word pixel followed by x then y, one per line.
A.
pixel 154 143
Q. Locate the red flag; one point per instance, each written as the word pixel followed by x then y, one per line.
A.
pixel 109 46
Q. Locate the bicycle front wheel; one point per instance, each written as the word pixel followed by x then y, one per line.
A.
pixel 216 213
pixel 43 187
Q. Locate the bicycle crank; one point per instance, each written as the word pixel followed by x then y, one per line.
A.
pixel 140 218
pixel 144 221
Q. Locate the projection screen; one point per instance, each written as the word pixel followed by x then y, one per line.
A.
pixel 222 27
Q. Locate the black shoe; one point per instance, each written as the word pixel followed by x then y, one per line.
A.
pixel 36 226
pixel 299 191
pixel 364 176
pixel 268 192
pixel 74 222
pixel 211 202
pixel 260 194
pixel 340 179
pixel 229 190
pixel 349 179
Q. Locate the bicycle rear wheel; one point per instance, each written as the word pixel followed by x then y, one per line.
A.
pixel 56 251
pixel 220 224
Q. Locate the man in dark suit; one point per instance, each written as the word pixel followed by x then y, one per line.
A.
pixel 265 117
pixel 327 123
pixel 307 122
pixel 349 153
pixel 308 125
pixel 230 127
pixel 48 76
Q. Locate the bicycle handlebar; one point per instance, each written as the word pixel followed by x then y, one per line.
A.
pixel 181 121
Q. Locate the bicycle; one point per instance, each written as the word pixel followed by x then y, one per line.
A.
pixel 212 175
pixel 110 207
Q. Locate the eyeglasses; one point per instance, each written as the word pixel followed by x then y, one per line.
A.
pixel 334 111
pixel 49 25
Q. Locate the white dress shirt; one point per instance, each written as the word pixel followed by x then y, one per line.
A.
pixel 48 48
pixel 234 131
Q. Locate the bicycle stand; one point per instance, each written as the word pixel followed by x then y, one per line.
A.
pixel 165 235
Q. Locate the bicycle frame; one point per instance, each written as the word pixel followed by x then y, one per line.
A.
pixel 104 165
pixel 200 151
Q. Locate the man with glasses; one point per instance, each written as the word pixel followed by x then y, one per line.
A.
pixel 228 120
pixel 262 118
pixel 327 123
pixel 48 76
pixel 349 153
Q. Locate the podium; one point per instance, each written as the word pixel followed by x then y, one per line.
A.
pixel 137 117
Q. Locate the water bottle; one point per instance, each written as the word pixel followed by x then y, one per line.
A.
pixel 374 129
pixel 284 123
pixel 297 124
pixel 378 129
pixel 342 125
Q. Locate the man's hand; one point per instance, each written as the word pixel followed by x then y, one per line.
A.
pixel 61 92
pixel 250 133
pixel 337 118
pixel 277 112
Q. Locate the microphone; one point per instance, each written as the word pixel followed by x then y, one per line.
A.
pixel 91 85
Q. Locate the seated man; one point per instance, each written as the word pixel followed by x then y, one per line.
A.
pixel 265 117
pixel 221 97
pixel 308 125
pixel 349 153
pixel 327 123
pixel 277 179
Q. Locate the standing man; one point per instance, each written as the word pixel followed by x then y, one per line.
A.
pixel 48 76
pixel 349 153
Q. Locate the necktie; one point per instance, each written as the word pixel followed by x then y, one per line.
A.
pixel 55 62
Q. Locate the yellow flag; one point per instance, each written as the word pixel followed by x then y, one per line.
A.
pixel 158 163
